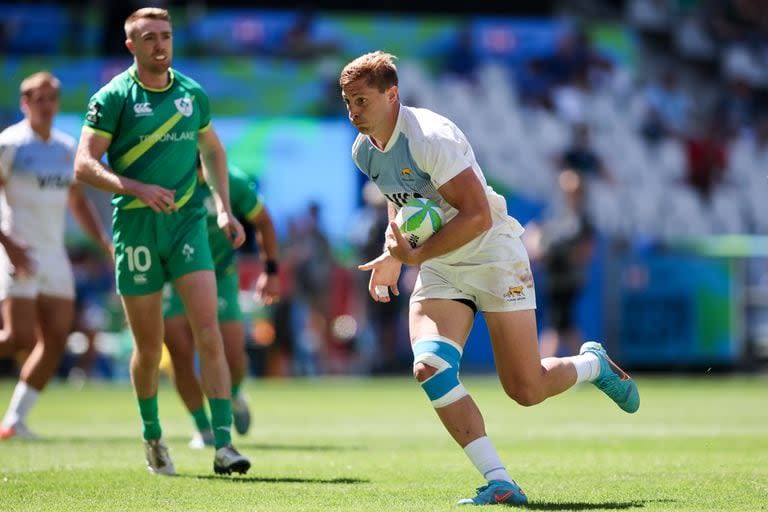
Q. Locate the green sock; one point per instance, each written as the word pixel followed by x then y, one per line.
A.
pixel 235 389
pixel 201 419
pixel 221 419
pixel 149 418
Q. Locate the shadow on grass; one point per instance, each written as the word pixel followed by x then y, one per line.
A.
pixel 245 445
pixel 84 440
pixel 609 505
pixel 277 480
pixel 241 443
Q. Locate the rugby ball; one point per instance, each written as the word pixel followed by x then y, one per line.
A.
pixel 419 219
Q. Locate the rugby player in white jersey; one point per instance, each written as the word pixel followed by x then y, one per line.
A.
pixel 36 281
pixel 476 262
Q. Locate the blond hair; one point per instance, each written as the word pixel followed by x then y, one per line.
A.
pixel 37 80
pixel 152 13
pixel 376 68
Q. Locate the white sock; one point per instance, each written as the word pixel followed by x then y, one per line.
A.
pixel 22 400
pixel 483 455
pixel 587 367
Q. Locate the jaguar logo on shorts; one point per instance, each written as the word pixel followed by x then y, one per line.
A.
pixel 140 279
pixel 515 293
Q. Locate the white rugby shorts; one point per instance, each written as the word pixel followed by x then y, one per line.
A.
pixel 494 273
pixel 53 276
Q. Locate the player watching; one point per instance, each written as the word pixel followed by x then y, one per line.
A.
pixel 151 121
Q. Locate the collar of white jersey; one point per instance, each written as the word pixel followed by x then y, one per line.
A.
pixel 395 132
pixel 36 136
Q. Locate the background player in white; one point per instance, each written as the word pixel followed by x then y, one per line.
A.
pixel 36 281
pixel 476 261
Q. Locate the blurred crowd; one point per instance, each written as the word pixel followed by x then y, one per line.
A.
pixel 688 132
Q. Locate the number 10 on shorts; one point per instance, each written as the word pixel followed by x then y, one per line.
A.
pixel 139 258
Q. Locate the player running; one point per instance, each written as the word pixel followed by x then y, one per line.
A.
pixel 36 280
pixel 475 262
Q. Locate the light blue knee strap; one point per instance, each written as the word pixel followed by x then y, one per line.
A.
pixel 443 388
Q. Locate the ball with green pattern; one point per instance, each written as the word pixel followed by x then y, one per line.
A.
pixel 419 219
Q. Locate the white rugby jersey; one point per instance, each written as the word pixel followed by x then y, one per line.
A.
pixel 426 151
pixel 37 176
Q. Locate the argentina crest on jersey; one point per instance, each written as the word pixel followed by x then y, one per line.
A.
pixel 184 105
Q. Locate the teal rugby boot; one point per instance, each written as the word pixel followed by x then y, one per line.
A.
pixel 612 380
pixel 497 492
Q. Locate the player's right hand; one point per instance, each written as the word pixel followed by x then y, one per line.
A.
pixel 231 227
pixel 18 254
pixel 385 274
pixel 160 199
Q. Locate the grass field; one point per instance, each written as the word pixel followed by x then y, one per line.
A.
pixel 376 445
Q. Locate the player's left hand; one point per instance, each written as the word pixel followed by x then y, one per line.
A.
pixel 267 289
pixel 232 228
pixel 399 247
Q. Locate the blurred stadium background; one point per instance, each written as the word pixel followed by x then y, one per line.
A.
pixel 672 94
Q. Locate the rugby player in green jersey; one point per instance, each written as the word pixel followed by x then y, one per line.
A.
pixel 151 121
pixel 249 204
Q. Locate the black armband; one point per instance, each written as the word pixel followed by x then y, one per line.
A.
pixel 270 267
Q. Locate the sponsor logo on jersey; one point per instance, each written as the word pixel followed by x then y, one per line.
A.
pixel 401 198
pixel 169 137
pixel 406 174
pixel 54 181
pixel 143 109
pixel 94 113
pixel 184 105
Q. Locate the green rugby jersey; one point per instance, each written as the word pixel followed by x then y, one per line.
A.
pixel 246 202
pixel 153 132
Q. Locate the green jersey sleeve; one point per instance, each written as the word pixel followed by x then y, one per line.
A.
pixel 104 110
pixel 205 109
pixel 244 195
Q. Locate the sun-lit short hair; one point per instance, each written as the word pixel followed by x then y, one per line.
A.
pixel 152 13
pixel 37 80
pixel 376 68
